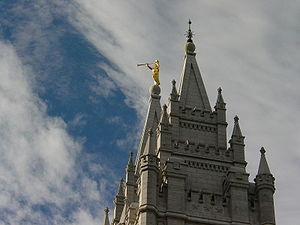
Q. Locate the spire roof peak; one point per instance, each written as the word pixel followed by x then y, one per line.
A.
pixel 189 34
pixel 236 119
pixel 236 128
pixel 191 89
pixel 106 219
pixel 220 90
pixel 190 46
pixel 173 83
pixel 263 164
pixel 164 117
pixel 121 188
pixel 130 163
pixel 262 150
pixel 174 93
pixel 220 104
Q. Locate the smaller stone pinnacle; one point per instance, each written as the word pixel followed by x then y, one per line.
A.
pixel 173 82
pixel 262 150
pixel 236 119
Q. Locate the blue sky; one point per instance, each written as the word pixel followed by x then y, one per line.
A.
pixel 72 101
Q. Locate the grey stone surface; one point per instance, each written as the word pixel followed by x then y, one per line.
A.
pixel 185 172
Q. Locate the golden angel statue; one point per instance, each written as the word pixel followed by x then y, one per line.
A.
pixel 154 69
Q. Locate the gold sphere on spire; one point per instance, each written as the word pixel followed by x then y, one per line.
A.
pixel 189 46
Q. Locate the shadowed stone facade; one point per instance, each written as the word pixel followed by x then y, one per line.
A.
pixel 185 173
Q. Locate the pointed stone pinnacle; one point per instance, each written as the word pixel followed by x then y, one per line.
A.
pixel 130 164
pixel 236 128
pixel 191 89
pixel 262 150
pixel 121 190
pixel 236 119
pixel 220 104
pixel 263 164
pixel 106 219
pixel 173 82
pixel 164 117
pixel 174 94
pixel 219 90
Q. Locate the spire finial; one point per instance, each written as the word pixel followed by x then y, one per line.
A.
pixel 263 164
pixel 220 90
pixel 174 94
pixel 106 220
pixel 130 163
pixel 173 83
pixel 189 34
pixel 236 128
pixel 164 116
pixel 220 104
pixel 189 46
pixel 236 119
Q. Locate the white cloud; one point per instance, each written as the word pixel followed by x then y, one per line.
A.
pixel 37 155
pixel 78 120
pixel 104 87
pixel 248 48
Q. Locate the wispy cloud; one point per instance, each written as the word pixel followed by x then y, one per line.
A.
pixel 104 87
pixel 78 120
pixel 40 179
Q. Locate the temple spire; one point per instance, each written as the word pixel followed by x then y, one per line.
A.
pixel 119 202
pixel 106 219
pixel 121 188
pixel 174 93
pixel 220 104
pixel 130 164
pixel 237 144
pixel 164 117
pixel 236 128
pixel 152 120
pixel 265 188
pixel 263 164
pixel 192 91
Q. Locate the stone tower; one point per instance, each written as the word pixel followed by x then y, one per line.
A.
pixel 185 173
